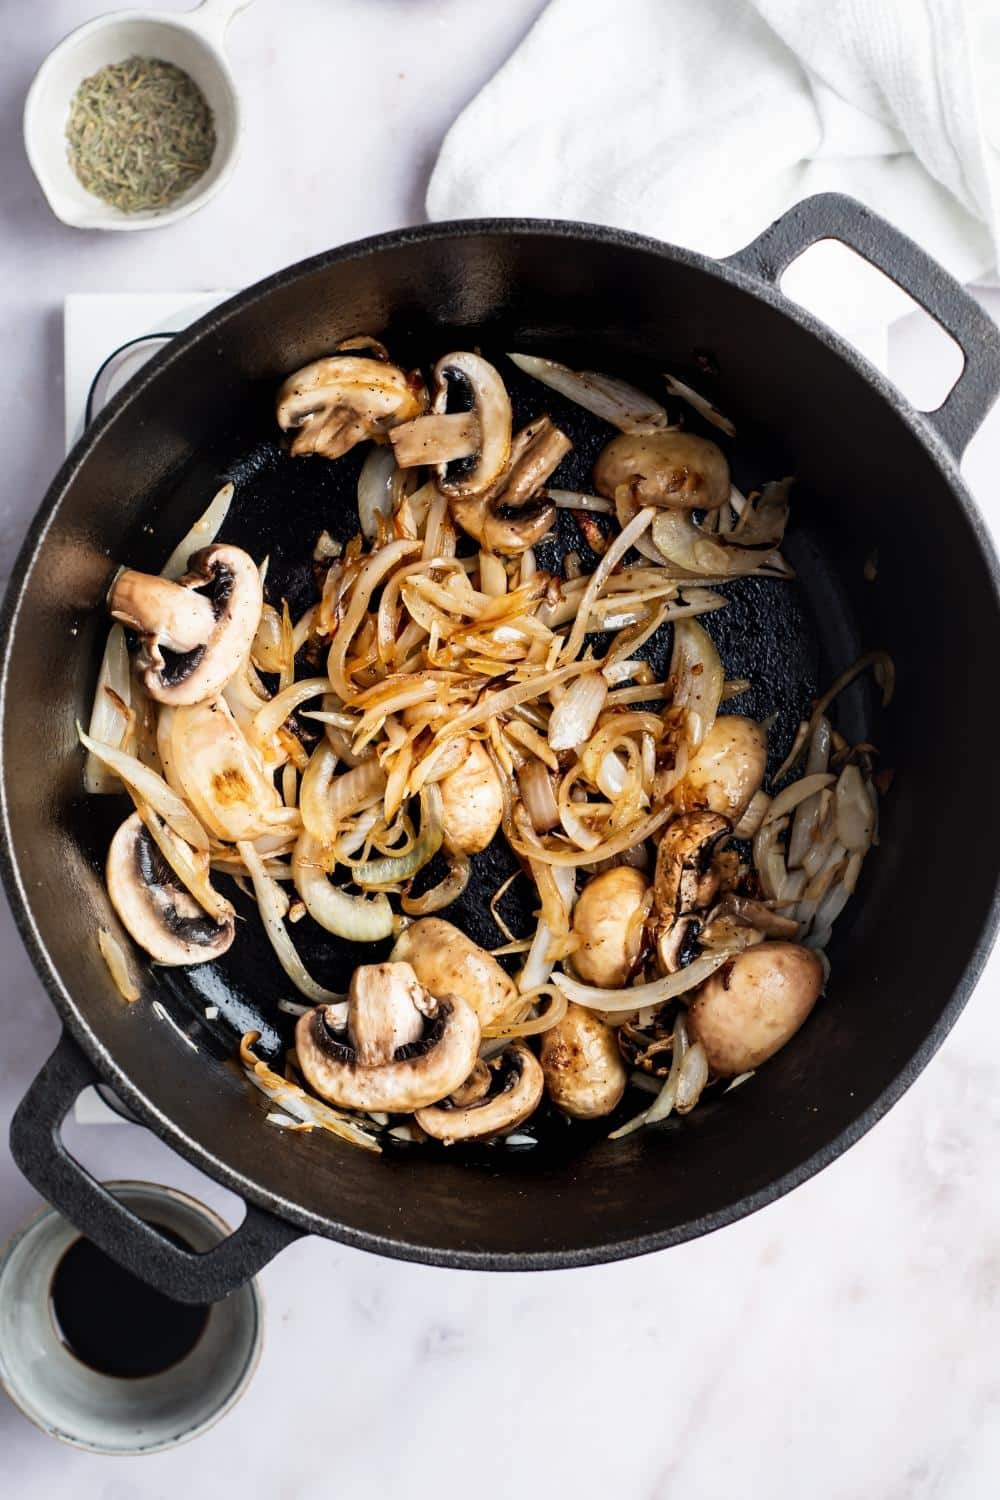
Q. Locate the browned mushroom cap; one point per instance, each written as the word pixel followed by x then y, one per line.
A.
pixel 205 622
pixel 665 468
pixel 449 963
pixel 754 1004
pixel 609 919
pixel 403 1048
pixel 585 1076
pixel 510 516
pixel 685 883
pixel 154 907
pixel 339 401
pixel 516 1083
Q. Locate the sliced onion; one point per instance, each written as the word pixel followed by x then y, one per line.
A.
pixel 315 801
pixel 790 796
pixel 663 1104
pixel 701 405
pixel 693 1078
pixel 375 569
pixel 614 401
pixel 619 547
pixel 492 705
pixel 886 676
pixel 359 919
pixel 114 956
pixel 763 523
pixel 535 786
pixel 576 713
pixel 202 534
pixel 697 676
pixel 753 817
pixel 444 893
pixel 152 788
pixel 854 817
pixel 296 1102
pixel 267 650
pixel 576 500
pixel 620 1002
pixel 273 905
pixel 396 867
pixel 109 717
pixel 375 496
pixel 629 838
pixel 807 813
pixel 274 713
pixel 553 1013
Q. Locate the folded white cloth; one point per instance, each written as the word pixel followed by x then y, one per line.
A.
pixel 700 121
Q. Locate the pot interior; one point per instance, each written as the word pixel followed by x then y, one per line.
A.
pixel 868 488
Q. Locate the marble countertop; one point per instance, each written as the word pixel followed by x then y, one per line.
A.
pixel 842 1342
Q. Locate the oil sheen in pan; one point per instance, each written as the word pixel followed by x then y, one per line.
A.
pixel 781 635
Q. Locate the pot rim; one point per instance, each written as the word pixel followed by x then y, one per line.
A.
pixel 72 1017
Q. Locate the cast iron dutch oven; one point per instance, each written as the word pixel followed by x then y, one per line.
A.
pixel 875 476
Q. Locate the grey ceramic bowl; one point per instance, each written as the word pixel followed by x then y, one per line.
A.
pixel 102 1413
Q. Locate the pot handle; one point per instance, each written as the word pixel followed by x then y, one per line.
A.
pixel 186 1276
pixel 833 216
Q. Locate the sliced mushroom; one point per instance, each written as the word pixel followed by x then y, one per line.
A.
pixel 585 1076
pixel 516 1082
pixel 609 918
pixel 686 883
pixel 154 907
pixel 508 518
pixel 470 447
pixel 206 758
pixel 403 1048
pixel 205 622
pixel 727 770
pixel 754 1004
pixel 449 963
pixel 665 468
pixel 339 401
pixel 472 800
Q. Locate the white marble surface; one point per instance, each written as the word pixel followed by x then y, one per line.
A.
pixel 841 1343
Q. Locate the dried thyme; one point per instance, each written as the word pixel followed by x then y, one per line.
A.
pixel 140 133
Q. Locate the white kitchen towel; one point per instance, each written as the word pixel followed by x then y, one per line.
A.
pixel 700 121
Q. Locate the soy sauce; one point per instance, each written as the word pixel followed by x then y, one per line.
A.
pixel 115 1323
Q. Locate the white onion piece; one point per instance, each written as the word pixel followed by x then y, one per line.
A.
pixel 273 904
pixel 693 1078
pixel 114 957
pixel 807 813
pixel 375 497
pixel 627 507
pixel 697 675
pixel 315 801
pixel 700 403
pixel 612 775
pixel 754 816
pixel 306 1109
pixel 267 648
pixel 575 715
pixel 353 791
pixel 444 893
pixel 614 401
pixel 202 534
pixel 108 722
pixel 152 788
pixel 855 820
pixel 274 713
pixel 538 965
pixel 664 1101
pixel 492 575
pixel 621 544
pixel 619 1002
pixel 535 786
pixel 360 919
pixel 577 500
pixel 790 796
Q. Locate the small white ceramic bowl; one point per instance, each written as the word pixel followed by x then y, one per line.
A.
pixel 193 41
pixel 102 1413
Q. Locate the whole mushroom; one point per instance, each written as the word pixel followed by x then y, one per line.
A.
pixel 205 622
pixel 754 1004
pixel 403 1047
pixel 585 1076
pixel 449 963
pixel 727 769
pixel 673 468
pixel 513 1089
pixel 608 918
pixel 472 801
pixel 154 907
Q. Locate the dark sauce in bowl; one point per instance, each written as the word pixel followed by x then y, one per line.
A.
pixel 113 1322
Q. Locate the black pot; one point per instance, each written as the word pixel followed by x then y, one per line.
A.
pixel 875 474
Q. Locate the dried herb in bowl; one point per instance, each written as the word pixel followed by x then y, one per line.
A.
pixel 140 134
